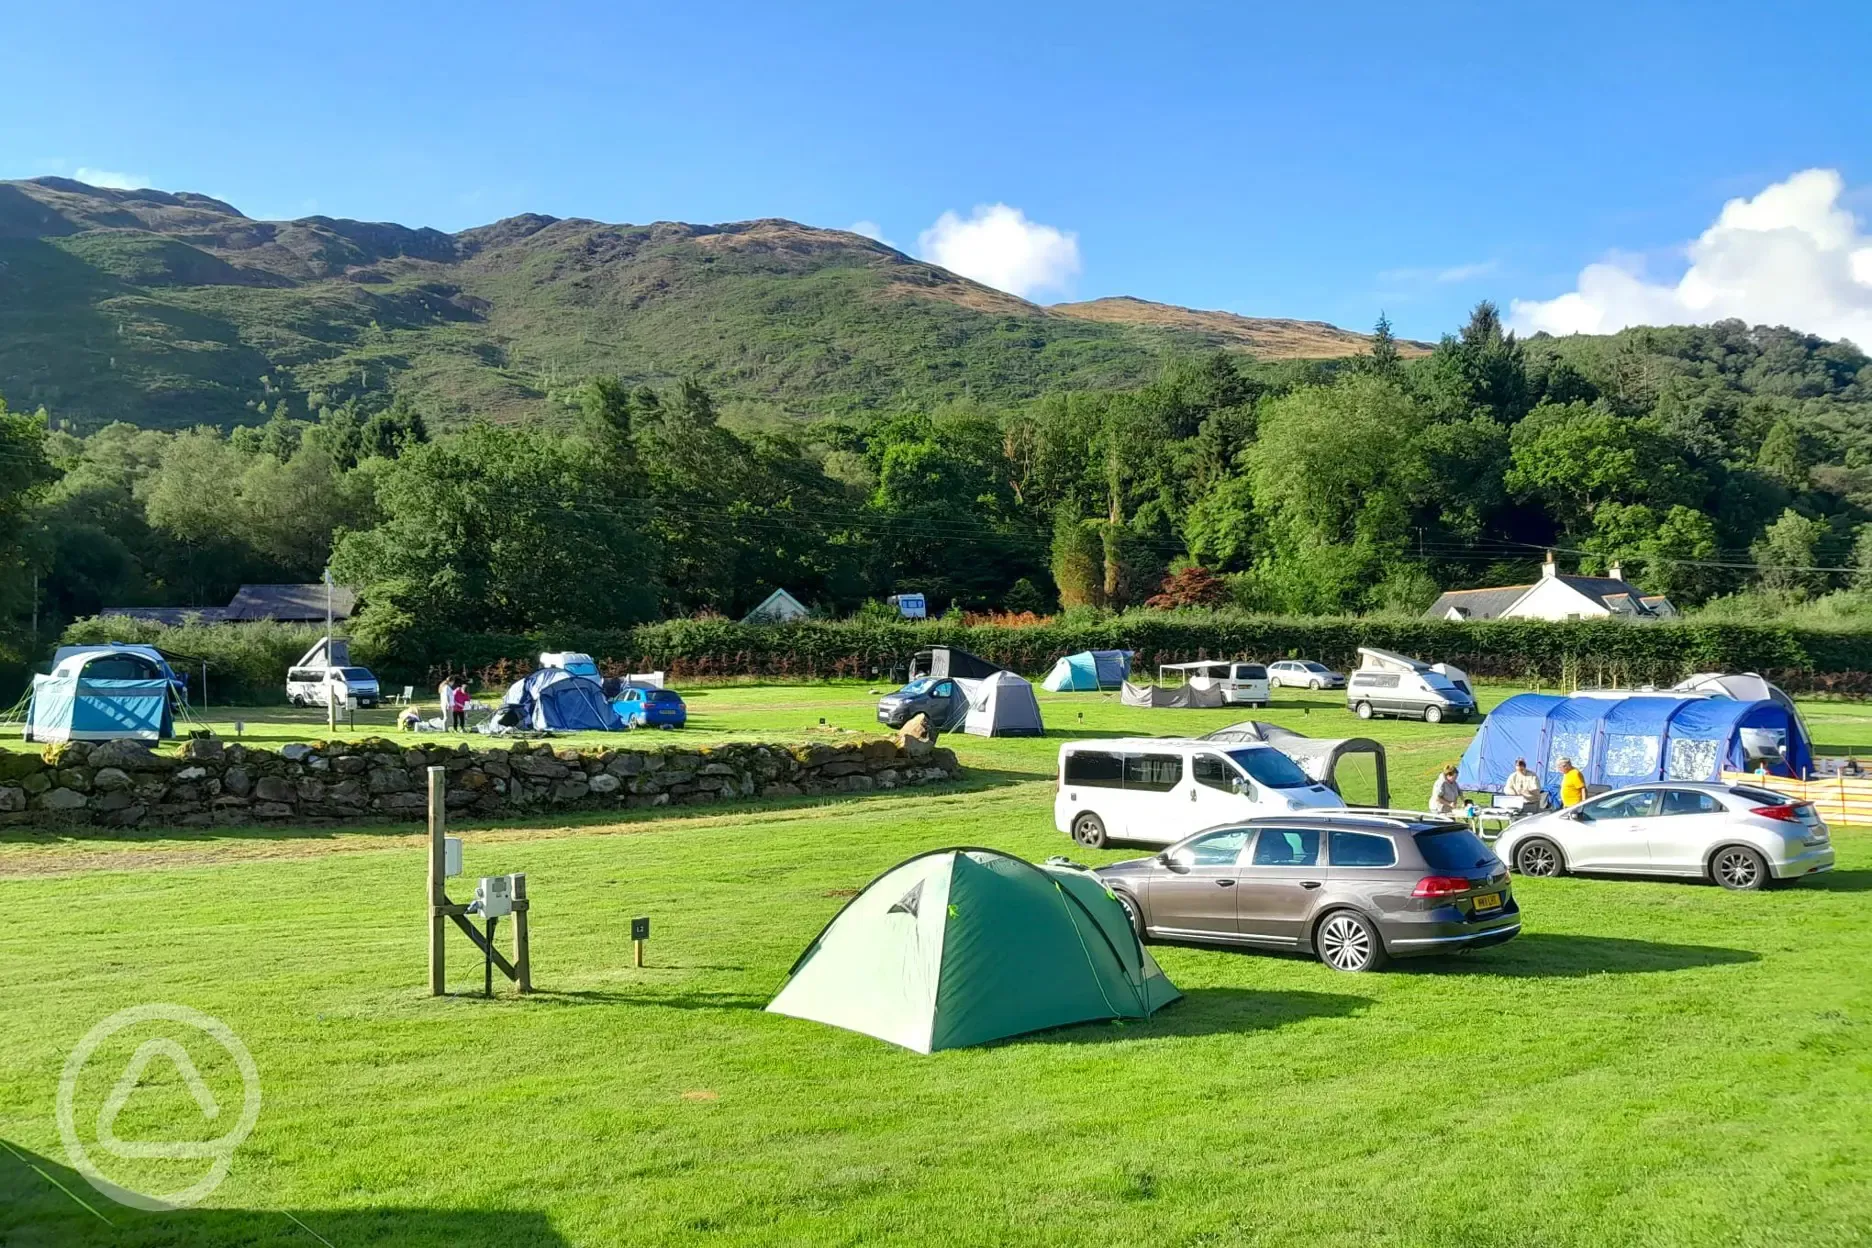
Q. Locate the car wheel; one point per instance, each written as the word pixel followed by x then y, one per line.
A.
pixel 1432 714
pixel 1133 914
pixel 1089 830
pixel 1313 685
pixel 1540 858
pixel 1347 941
pixel 1364 710
pixel 1739 869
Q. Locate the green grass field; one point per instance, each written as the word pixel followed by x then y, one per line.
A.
pixel 1651 1063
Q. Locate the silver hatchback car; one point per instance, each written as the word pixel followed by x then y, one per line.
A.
pixel 1352 887
pixel 1740 836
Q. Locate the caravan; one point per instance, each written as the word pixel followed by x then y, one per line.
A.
pixel 326 669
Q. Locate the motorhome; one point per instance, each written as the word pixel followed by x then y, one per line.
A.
pixel 326 671
pixel 1396 684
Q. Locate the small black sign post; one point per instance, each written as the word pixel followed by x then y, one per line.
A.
pixel 640 932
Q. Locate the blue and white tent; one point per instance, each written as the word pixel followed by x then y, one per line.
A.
pixel 556 700
pixel 101 694
pixel 1633 738
pixel 1089 671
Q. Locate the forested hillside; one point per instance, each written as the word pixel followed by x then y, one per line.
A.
pixel 170 311
pixel 1709 461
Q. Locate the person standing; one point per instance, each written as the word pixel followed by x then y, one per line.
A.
pixel 1446 794
pixel 445 695
pixel 460 721
pixel 1572 784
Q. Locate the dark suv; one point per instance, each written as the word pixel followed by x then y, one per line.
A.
pixel 1354 888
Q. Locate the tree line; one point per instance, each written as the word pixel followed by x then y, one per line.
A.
pixel 1709 461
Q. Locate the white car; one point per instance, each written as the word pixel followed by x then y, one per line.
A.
pixel 1304 674
pixel 1158 790
pixel 1738 835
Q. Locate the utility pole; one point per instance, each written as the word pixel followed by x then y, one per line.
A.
pixel 331 705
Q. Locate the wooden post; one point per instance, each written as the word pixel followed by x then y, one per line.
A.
pixel 438 897
pixel 523 956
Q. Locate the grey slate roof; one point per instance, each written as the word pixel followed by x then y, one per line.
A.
pixel 1476 604
pixel 290 602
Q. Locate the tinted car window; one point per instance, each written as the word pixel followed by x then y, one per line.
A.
pixel 1639 805
pixel 1152 773
pixel 1272 768
pixel 1454 850
pixel 1250 671
pixel 1094 769
pixel 1360 849
pixel 1764 797
pixel 122 667
pixel 1218 849
pixel 1689 802
pixel 1375 681
pixel 1286 847
pixel 1211 771
pixel 355 673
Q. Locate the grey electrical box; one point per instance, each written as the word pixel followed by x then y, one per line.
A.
pixel 451 856
pixel 493 897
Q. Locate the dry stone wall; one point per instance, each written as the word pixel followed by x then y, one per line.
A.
pixel 210 783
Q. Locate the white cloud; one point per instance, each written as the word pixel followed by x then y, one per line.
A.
pixel 999 246
pixel 1441 277
pixel 871 230
pixel 110 179
pixel 1794 255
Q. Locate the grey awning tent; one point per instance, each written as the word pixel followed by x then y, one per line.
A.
pixel 942 661
pixel 1364 759
pixel 1003 705
pixel 1182 696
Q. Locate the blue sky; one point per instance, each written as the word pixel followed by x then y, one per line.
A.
pixel 1318 161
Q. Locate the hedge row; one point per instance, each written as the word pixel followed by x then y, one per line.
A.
pixel 248 662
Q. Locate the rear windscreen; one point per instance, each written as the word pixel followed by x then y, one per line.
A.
pixel 1454 850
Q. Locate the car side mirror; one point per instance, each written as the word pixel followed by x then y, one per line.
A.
pixel 1238 785
pixel 1576 814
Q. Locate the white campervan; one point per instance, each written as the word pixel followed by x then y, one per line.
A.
pixel 1396 684
pixel 327 667
pixel 1158 790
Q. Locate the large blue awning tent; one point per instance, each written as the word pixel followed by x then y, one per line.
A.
pixel 1089 671
pixel 556 700
pixel 1633 738
pixel 101 695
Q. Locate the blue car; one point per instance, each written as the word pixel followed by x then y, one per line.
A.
pixel 640 707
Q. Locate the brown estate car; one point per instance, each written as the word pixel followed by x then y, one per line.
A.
pixel 1353 887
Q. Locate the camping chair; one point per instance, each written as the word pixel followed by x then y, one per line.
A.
pixel 403 699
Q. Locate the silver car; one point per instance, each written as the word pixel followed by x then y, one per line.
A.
pixel 1738 835
pixel 1304 674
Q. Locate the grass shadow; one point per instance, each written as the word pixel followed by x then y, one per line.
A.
pixel 47 1205
pixel 1556 955
pixel 649 997
pixel 1208 1012
pixel 1834 882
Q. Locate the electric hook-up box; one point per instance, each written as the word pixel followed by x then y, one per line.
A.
pixel 493 897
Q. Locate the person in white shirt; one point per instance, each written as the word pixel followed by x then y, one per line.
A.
pixel 1523 783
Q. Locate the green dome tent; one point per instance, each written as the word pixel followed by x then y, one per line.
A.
pixel 962 946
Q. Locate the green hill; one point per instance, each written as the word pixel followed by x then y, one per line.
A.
pixel 175 309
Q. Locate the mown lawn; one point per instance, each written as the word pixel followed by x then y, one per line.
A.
pixel 1652 1063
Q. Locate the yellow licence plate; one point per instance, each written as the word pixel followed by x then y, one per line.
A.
pixel 1488 901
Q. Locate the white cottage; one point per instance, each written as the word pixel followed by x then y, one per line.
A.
pixel 1556 596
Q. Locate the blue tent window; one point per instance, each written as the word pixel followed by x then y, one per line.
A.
pixel 1573 743
pixel 1692 760
pixel 1628 755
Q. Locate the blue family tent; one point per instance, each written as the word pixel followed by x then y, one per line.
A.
pixel 556 700
pixel 1089 671
pixel 1633 738
pixel 101 694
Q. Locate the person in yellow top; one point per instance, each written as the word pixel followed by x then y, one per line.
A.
pixel 1572 784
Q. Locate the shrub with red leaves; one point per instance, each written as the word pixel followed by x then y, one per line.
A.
pixel 1192 587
